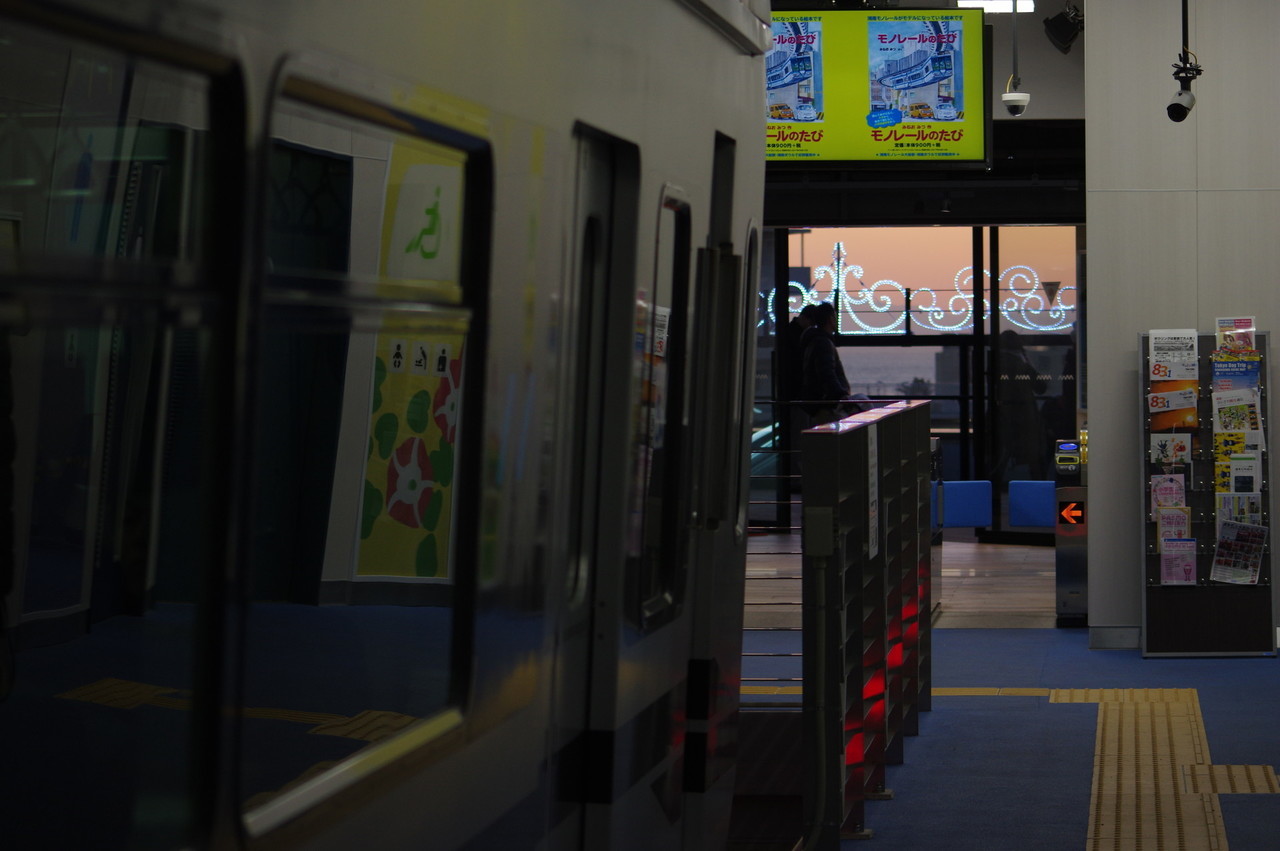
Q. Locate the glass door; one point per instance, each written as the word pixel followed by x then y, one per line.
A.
pixel 995 350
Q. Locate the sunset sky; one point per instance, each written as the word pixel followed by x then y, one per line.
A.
pixel 930 257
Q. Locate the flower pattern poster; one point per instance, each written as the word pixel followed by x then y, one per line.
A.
pixel 408 486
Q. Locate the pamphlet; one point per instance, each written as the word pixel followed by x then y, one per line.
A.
pixel 1238 557
pixel 1167 490
pixel 1171 405
pixel 1159 402
pixel 1236 410
pixel 1238 508
pixel 1225 444
pixel 1236 370
pixel 1178 562
pixel 1235 333
pixel 1172 521
pixel 1172 354
pixel 1170 449
pixel 1246 472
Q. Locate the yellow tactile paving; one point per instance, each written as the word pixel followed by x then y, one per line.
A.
pixel 1155 821
pixel 1125 695
pixel 771 690
pixel 1154 786
pixel 1230 779
pixel 1153 782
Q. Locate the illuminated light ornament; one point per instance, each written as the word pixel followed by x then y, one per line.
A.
pixel 798 298
pixel 957 315
pixel 447 399
pixel 871 296
pixel 1028 304
pixel 409 484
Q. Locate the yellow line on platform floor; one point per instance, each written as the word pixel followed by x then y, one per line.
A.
pixel 990 692
pixel 771 690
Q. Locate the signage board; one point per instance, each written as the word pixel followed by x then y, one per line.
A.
pixel 878 86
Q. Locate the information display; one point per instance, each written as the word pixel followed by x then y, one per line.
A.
pixel 878 86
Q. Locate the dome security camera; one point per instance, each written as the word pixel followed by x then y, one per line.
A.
pixel 1180 104
pixel 1016 102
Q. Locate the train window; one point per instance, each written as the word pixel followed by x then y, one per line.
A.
pixel 591 273
pixel 744 399
pixel 364 356
pixel 111 304
pixel 655 562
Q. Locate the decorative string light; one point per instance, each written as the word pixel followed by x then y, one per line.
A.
pixel 869 308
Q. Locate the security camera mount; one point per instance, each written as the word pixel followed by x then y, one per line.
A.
pixel 1014 100
pixel 1184 71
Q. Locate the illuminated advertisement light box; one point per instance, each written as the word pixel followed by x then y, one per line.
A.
pixel 895 87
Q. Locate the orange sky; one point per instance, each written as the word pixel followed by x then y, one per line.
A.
pixel 930 257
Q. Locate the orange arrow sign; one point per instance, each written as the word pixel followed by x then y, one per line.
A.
pixel 1071 514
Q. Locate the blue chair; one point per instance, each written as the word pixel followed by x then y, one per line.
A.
pixel 1032 503
pixel 966 504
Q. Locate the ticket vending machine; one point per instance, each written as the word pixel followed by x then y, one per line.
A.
pixel 1071 533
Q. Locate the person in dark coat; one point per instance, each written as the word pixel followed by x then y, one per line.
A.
pixel 825 388
pixel 791 354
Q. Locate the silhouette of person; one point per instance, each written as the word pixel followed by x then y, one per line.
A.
pixel 791 354
pixel 1020 435
pixel 825 389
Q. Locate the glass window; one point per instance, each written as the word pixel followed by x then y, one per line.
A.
pixel 655 528
pixel 1034 381
pixel 873 274
pixel 1037 286
pixel 364 356
pixel 109 427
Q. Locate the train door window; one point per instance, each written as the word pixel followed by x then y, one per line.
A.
pixel 718 351
pixel 584 438
pixel 607 339
pixel 112 331
pixel 746 342
pixel 656 564
pixel 368 345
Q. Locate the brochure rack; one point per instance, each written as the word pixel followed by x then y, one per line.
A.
pixel 866 588
pixel 1193 602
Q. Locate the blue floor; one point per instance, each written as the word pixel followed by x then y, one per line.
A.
pixel 1014 772
pixel 988 773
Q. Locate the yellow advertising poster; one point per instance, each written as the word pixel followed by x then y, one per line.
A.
pixel 416 389
pixel 880 86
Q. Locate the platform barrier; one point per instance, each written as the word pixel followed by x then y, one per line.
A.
pixel 867 597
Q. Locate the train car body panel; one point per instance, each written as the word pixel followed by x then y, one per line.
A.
pixel 376 399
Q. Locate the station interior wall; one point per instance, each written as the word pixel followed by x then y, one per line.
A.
pixel 1181 220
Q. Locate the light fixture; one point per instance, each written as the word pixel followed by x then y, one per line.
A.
pixel 1014 100
pixel 1064 27
pixel 1184 71
pixel 996 7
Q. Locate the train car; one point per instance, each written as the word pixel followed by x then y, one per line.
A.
pixel 373 420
